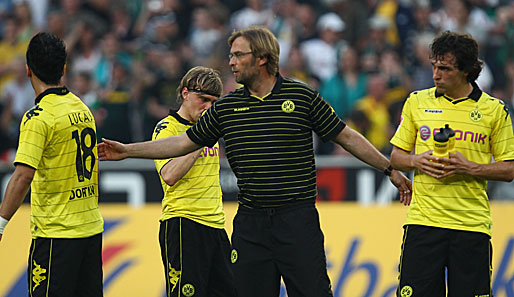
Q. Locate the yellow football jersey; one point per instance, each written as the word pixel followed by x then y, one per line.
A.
pixel 197 195
pixel 58 139
pixel 483 131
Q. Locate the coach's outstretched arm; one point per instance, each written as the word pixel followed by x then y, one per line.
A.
pixel 360 147
pixel 110 150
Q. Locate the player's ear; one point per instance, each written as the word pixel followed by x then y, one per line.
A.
pixel 64 70
pixel 185 91
pixel 29 73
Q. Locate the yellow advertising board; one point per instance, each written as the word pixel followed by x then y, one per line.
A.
pixel 362 246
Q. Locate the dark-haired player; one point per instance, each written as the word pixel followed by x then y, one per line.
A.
pixel 57 158
pixel 449 221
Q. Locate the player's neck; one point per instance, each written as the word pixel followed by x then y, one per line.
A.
pixel 186 115
pixel 40 87
pixel 460 92
pixel 263 85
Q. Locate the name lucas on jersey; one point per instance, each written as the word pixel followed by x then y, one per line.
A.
pixel 80 117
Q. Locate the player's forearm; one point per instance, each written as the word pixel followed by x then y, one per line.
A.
pixel 401 160
pixel 361 148
pixel 164 148
pixel 175 169
pixel 498 171
pixel 17 188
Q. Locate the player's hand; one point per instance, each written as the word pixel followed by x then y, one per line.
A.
pixel 403 184
pixel 431 165
pixel 458 164
pixel 110 150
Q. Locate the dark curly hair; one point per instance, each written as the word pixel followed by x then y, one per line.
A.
pixel 463 47
pixel 46 57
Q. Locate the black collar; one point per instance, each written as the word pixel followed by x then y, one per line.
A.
pixel 475 94
pixel 275 89
pixel 57 91
pixel 180 119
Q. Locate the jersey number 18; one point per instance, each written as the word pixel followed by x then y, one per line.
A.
pixel 84 151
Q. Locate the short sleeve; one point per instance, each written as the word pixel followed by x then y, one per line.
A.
pixel 163 129
pixel 34 132
pixel 502 139
pixel 325 122
pixel 405 135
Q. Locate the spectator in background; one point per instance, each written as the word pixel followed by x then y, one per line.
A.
pixel 397 80
pixel 118 103
pixel 25 26
pixel 296 68
pixel 254 13
pixel 354 14
pixel 56 23
pixel 17 96
pixel 38 12
pixel 112 51
pixel 320 53
pixel 282 26
pixel 421 67
pixel 422 26
pixel 388 10
pixel 305 27
pixel 87 53
pixel 377 42
pixel 343 90
pixel 11 48
pixel 82 85
pixel 207 31
pixel 464 17
pixel 374 106
pixel 161 94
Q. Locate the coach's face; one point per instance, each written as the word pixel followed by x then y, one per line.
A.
pixel 242 61
pixel 447 76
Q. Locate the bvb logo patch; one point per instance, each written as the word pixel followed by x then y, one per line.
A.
pixel 188 290
pixel 406 291
pixel 288 106
pixel 233 256
pixel 475 115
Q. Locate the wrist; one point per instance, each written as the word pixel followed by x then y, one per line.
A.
pixel 388 170
pixel 3 223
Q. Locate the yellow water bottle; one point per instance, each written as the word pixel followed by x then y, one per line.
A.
pixel 451 138
pixel 441 144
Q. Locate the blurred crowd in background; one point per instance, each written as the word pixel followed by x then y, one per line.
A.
pixel 126 57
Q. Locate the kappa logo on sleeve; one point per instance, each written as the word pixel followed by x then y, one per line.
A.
pixel 161 126
pixel 33 112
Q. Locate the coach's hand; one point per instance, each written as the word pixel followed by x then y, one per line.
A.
pixel 110 150
pixel 403 184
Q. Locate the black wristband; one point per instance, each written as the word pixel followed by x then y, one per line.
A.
pixel 388 170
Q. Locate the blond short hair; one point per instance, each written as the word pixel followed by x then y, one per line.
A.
pixel 199 78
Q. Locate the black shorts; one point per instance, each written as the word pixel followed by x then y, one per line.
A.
pixel 66 267
pixel 427 252
pixel 196 259
pixel 279 242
